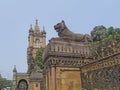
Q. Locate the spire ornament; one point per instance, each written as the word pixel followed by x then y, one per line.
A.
pixel 31 29
pixel 14 70
pixel 36 26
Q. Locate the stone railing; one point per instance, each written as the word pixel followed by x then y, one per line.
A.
pixel 67 49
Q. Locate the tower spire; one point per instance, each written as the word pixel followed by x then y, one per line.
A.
pixel 14 70
pixel 30 26
pixel 44 30
pixel 36 21
pixel 37 26
pixel 31 29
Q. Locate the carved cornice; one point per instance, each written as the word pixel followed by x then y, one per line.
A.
pixel 62 53
pixel 63 61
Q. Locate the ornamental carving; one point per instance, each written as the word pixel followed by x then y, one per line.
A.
pixel 66 34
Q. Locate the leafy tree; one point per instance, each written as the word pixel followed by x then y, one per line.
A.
pixel 105 40
pixel 5 83
pixel 117 30
pixel 111 31
pixel 97 33
pixel 38 59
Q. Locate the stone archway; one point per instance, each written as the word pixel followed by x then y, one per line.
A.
pixel 22 85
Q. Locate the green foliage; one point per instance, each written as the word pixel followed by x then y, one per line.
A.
pixel 105 39
pixel 38 59
pixel 106 35
pixel 97 33
pixel 5 83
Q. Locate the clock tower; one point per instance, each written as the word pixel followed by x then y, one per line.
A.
pixel 36 40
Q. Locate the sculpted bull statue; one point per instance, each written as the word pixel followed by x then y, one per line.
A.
pixel 65 33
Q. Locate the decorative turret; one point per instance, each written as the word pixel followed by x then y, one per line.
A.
pixel 14 73
pixel 44 32
pixel 14 77
pixel 15 70
pixel 30 38
pixel 31 29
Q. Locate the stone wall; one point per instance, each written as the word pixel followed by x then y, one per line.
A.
pixel 103 74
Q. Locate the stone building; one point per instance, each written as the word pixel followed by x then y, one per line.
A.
pixel 31 80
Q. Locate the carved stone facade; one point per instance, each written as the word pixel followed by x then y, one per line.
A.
pixel 62 60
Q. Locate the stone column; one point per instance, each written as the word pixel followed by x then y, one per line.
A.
pixel 53 78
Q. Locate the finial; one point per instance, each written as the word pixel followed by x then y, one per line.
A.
pixel 37 26
pixel 31 29
pixel 30 26
pixel 43 28
pixel 36 21
pixel 14 70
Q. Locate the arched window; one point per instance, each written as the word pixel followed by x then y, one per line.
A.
pixel 37 43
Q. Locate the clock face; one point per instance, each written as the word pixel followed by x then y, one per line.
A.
pixel 37 43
